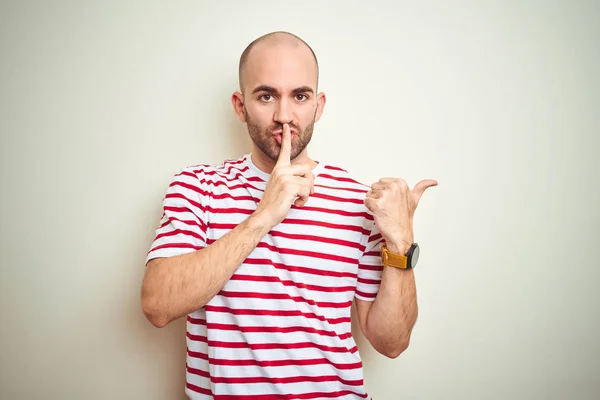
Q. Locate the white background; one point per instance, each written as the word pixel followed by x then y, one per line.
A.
pixel 102 102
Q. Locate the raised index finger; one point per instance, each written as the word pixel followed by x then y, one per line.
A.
pixel 286 145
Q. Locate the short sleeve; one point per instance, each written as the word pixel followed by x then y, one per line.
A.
pixel 370 267
pixel 183 225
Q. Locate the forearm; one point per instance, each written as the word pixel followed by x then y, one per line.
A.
pixel 394 312
pixel 176 286
pixel 389 321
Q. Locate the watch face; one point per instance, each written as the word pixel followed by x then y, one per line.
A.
pixel 415 257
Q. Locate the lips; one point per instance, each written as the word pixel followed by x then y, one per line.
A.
pixel 279 138
pixel 293 132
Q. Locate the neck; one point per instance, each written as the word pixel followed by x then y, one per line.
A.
pixel 266 164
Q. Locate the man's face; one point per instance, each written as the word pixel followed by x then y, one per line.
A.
pixel 280 87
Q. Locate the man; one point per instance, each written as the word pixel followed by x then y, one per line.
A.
pixel 265 254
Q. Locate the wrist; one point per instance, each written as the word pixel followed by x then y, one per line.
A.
pixel 399 246
pixel 259 220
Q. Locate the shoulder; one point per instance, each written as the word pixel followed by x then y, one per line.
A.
pixel 340 178
pixel 339 185
pixel 201 172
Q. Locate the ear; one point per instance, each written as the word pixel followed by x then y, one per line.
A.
pixel 237 101
pixel 321 100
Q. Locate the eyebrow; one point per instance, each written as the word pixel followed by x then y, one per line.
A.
pixel 303 89
pixel 270 89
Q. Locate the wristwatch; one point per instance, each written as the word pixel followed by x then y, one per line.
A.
pixel 406 261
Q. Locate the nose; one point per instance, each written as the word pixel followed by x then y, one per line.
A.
pixel 283 112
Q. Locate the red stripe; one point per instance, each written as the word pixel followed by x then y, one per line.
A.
pixel 321 239
pixel 365 215
pixel 305 253
pixel 304 270
pixel 367 295
pixel 204 339
pixel 275 363
pixel 213 195
pixel 244 185
pixel 331 167
pixel 234 161
pixel 231 210
pixel 293 221
pixel 293 396
pixel 219 169
pixel 199 190
pixel 198 389
pixel 369 281
pixel 341 179
pixel 182 197
pixel 176 246
pixel 216 183
pixel 187 173
pixel 180 232
pixel 197 223
pixel 234 177
pixel 363 191
pixel 196 354
pixel 375 237
pixel 371 267
pixel 311 395
pixel 276 329
pixel 283 296
pixel 270 346
pixel 278 313
pixel 264 379
pixel 375 245
pixel 196 166
pixel 199 372
pixel 355 228
pixel 374 253
pixel 335 198
pixel 178 209
pixel 223 170
pixel 260 278
pixel 203 208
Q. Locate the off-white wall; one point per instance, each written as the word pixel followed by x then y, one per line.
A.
pixel 101 102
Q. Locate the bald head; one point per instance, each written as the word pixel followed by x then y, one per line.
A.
pixel 263 48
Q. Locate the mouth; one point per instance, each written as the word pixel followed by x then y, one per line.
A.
pixel 279 132
pixel 278 137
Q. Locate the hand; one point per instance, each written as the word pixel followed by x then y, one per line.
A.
pixel 393 205
pixel 289 184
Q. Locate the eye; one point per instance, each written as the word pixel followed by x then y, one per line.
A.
pixel 266 97
pixel 301 97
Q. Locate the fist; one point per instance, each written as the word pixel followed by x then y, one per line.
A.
pixel 393 205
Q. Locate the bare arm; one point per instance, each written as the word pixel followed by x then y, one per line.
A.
pixel 176 286
pixel 388 321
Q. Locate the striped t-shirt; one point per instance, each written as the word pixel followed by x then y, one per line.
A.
pixel 280 327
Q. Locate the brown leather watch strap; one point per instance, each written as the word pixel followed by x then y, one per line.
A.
pixel 392 259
